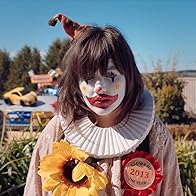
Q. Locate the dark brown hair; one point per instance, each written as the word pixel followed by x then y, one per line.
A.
pixel 89 52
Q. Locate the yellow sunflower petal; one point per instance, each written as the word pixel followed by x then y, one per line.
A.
pixel 83 191
pixel 55 147
pixel 43 173
pixel 64 146
pixel 78 154
pixel 89 170
pixel 58 177
pixel 60 190
pixel 50 162
pixel 48 174
pixel 72 192
pixel 93 191
pixel 50 184
pixel 100 180
pixel 78 172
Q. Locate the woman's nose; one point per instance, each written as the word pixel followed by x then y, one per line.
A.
pixel 100 87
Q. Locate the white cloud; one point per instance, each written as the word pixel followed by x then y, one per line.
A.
pixel 13 54
pixel 43 54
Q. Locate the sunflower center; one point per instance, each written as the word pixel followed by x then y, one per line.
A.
pixel 67 172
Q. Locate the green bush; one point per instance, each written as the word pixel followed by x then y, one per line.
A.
pixel 166 89
pixel 14 162
pixel 186 152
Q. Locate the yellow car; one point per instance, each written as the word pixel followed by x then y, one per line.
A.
pixel 18 96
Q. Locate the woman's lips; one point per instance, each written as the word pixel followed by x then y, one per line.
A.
pixel 102 101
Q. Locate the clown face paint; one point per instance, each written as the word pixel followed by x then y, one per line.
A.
pixel 103 94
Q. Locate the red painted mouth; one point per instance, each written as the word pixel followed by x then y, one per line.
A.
pixel 102 101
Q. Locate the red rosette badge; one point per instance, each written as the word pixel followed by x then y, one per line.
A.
pixel 140 174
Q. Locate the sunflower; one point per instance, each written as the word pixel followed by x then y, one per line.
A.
pixel 66 172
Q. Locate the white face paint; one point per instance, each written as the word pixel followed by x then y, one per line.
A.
pixel 103 94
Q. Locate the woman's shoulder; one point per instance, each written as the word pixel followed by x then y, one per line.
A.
pixel 52 130
pixel 51 133
pixel 159 133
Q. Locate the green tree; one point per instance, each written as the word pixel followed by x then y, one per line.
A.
pixel 5 63
pixel 36 61
pixel 56 53
pixel 26 59
pixel 166 89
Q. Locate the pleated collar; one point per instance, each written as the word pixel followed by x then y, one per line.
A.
pixel 112 141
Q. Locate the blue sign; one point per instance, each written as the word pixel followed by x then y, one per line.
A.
pixel 18 118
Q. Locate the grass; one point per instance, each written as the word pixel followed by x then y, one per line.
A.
pixel 14 162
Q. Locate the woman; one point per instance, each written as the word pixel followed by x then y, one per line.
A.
pixel 107 115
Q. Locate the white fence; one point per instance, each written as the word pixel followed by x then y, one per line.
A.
pixel 189 93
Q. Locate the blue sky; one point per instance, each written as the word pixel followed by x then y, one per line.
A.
pixel 154 29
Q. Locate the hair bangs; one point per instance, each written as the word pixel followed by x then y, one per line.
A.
pixel 94 55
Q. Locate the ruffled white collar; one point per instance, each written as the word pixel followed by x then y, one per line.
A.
pixel 112 141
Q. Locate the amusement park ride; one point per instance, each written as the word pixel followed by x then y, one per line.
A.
pixel 30 110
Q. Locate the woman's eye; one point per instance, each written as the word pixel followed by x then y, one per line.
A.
pixel 87 78
pixel 111 75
